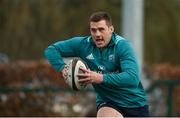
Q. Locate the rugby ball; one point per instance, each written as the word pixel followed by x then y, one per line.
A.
pixel 74 68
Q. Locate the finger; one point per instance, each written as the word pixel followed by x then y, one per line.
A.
pixel 85 83
pixel 84 80
pixel 83 75
pixel 83 69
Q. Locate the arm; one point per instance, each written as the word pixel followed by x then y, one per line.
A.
pixel 67 48
pixel 129 77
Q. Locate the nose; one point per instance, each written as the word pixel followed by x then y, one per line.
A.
pixel 98 33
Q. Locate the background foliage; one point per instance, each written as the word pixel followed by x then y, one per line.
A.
pixel 27 27
pixel 162 31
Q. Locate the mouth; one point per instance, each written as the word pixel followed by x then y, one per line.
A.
pixel 99 41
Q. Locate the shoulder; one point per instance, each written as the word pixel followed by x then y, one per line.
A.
pixel 123 46
pixel 121 42
pixel 73 41
pixel 81 42
pixel 84 39
pixel 78 38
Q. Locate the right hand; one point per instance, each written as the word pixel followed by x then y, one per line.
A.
pixel 65 73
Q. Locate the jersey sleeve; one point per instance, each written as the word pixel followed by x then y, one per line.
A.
pixel 129 75
pixel 67 48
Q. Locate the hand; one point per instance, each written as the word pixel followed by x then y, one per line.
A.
pixel 90 77
pixel 65 73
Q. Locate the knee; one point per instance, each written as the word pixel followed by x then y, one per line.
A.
pixel 108 112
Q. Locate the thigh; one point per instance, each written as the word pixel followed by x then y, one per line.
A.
pixel 107 111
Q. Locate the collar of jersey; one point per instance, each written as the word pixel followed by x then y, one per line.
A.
pixel 112 42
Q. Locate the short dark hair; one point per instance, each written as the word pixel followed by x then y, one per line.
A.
pixel 101 15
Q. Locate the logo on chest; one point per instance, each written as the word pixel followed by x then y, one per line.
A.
pixel 90 57
pixel 111 58
pixel 101 67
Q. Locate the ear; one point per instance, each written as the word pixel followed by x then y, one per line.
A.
pixel 112 28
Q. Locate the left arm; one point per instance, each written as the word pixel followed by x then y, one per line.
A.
pixel 129 76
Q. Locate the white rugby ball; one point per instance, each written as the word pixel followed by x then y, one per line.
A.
pixel 74 69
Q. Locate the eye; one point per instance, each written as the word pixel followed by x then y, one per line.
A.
pixel 101 29
pixel 93 29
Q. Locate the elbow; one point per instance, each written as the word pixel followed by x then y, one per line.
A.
pixel 134 76
pixel 48 52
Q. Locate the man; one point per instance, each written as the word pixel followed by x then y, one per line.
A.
pixel 114 71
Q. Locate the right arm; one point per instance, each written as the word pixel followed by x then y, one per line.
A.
pixel 67 48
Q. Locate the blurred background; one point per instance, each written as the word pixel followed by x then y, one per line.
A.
pixel 30 87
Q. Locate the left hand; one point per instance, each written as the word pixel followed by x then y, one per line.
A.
pixel 90 77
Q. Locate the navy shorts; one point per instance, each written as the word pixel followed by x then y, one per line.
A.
pixel 128 112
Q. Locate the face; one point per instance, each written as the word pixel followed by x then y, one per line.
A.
pixel 101 33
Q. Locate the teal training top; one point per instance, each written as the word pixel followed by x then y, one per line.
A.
pixel 117 62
